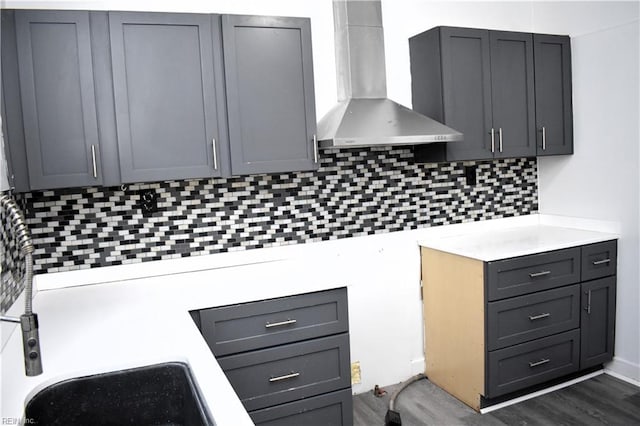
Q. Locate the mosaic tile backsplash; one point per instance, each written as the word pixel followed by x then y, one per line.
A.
pixel 11 265
pixel 354 192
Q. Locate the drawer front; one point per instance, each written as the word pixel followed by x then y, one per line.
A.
pixel 331 409
pixel 527 274
pixel 530 317
pixel 599 260
pixel 257 325
pixel 527 364
pixel 286 373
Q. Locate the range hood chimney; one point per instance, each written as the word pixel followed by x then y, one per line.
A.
pixel 364 116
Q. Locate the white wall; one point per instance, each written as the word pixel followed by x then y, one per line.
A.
pixel 4 181
pixel 405 18
pixel 602 179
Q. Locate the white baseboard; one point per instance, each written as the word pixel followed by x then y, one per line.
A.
pixel 540 392
pixel 624 370
pixel 623 378
pixel 417 366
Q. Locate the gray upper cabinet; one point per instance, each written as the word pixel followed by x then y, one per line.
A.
pixel 270 95
pixel 451 82
pixel 12 124
pixel 512 94
pixel 168 95
pixel 58 100
pixel 481 83
pixel 105 98
pixel 466 73
pixel 554 111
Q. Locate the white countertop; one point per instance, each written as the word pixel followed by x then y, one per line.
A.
pixel 99 328
pixel 112 318
pixel 502 243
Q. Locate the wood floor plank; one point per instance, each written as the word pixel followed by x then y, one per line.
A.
pixel 612 386
pixel 634 400
pixel 602 406
pixel 602 400
pixel 521 414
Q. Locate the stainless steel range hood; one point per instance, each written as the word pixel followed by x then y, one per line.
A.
pixel 364 116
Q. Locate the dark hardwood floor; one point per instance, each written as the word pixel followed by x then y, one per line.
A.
pixel 601 400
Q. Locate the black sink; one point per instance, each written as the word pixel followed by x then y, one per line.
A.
pixel 162 394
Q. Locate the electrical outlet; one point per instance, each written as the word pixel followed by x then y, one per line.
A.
pixel 355 373
pixel 148 202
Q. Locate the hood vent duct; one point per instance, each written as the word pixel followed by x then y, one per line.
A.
pixel 364 116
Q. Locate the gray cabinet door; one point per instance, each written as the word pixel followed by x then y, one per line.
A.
pixel 270 97
pixel 330 409
pixel 597 326
pixel 58 101
pixel 168 95
pixel 512 94
pixel 466 81
pixel 554 112
pixel 12 125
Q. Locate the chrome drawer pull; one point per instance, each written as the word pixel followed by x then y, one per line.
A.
pixel 537 317
pixel 285 377
pixel 315 149
pixel 280 324
pixel 600 262
pixel 539 274
pixel 588 308
pixel 537 363
pixel 93 162
pixel 215 154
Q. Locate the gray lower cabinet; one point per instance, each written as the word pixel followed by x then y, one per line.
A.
pixel 517 367
pixel 270 97
pixel 518 322
pixel 55 74
pixel 330 409
pixel 167 79
pixel 598 321
pixel 286 358
pixel 509 93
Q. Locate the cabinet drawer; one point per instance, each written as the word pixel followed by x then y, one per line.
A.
pixel 286 373
pixel 257 325
pixel 527 274
pixel 529 317
pixel 527 364
pixel 599 260
pixel 331 409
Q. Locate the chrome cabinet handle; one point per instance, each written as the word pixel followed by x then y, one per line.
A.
pixel 215 155
pixel 280 324
pixel 539 274
pixel 493 140
pixel 93 162
pixel 537 363
pixel 600 262
pixel 544 138
pixel 285 377
pixel 537 317
pixel 588 308
pixel 315 149
pixel 500 138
